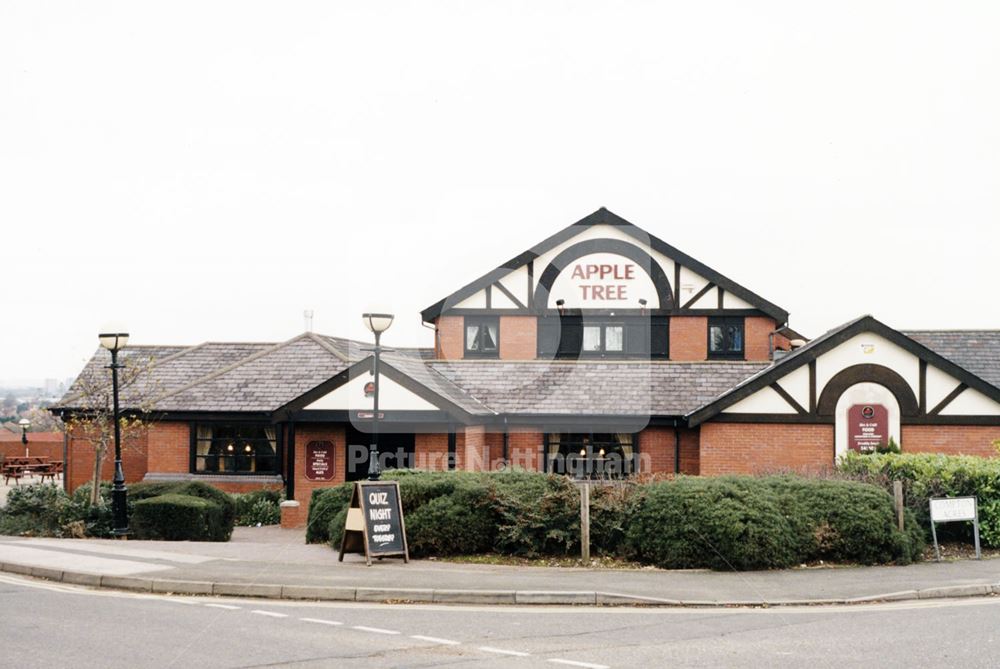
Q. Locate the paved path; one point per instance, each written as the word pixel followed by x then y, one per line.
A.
pixel 269 559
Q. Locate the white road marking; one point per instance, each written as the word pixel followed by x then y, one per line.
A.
pixel 434 639
pixel 501 651
pixel 574 663
pixel 376 630
pixel 320 621
pixel 228 607
pixel 269 613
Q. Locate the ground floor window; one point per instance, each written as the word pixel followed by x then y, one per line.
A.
pixel 234 448
pixel 591 454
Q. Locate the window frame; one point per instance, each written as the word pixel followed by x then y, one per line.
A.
pixel 275 456
pixel 636 344
pixel 482 321
pixel 725 322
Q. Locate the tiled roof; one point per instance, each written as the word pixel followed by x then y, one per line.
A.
pixel 595 387
pixel 976 350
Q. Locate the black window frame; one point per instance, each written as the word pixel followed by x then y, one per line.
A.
pixel 239 443
pixel 726 322
pixel 637 341
pixel 483 322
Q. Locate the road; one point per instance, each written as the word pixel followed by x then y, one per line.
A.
pixel 46 624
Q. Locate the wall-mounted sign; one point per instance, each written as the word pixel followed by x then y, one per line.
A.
pixel 319 461
pixel 374 524
pixel 868 427
pixel 370 389
pixel 604 280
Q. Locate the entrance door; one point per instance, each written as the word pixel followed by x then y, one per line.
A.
pixel 396 451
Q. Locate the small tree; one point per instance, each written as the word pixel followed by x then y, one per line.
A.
pixel 92 415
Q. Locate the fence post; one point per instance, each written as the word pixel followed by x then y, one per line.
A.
pixel 585 522
pixel 897 495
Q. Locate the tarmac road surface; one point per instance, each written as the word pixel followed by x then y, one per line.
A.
pixel 44 624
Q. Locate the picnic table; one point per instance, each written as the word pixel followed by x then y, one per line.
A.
pixel 17 467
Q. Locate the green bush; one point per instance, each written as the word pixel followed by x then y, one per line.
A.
pixel 761 523
pixel 462 522
pixel 227 506
pixel 38 510
pixel 80 518
pixel 926 475
pixel 177 517
pixel 260 507
pixel 324 505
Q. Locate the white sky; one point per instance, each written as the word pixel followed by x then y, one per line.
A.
pixel 206 171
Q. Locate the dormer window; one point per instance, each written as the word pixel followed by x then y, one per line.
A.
pixel 482 337
pixel 725 337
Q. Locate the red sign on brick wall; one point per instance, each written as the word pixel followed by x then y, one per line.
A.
pixel 868 427
pixel 319 461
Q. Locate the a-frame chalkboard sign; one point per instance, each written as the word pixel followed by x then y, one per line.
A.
pixel 374 523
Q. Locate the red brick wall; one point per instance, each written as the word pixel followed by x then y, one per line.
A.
pixel 754 448
pixel 79 467
pixel 657 446
pixel 169 448
pixel 524 448
pixel 449 341
pixel 431 451
pixel 950 439
pixel 518 337
pixel 43 444
pixel 756 337
pixel 688 338
pixel 476 454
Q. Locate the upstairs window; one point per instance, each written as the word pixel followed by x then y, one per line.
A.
pixel 574 336
pixel 234 448
pixel 725 338
pixel 482 337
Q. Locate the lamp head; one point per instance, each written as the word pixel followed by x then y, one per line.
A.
pixel 377 323
pixel 24 423
pixel 113 337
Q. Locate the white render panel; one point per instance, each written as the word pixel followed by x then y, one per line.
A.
pixel 572 288
pixel 730 301
pixel 602 232
pixel 517 283
pixel 864 393
pixel 392 397
pixel 474 301
pixel 691 283
pixel 868 349
pixel 971 403
pixel 709 300
pixel 765 400
pixel 500 301
pixel 939 385
pixel 796 384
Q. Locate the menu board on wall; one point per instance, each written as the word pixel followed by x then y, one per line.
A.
pixel 319 461
pixel 867 427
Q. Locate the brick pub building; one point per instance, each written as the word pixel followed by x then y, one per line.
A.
pixel 601 351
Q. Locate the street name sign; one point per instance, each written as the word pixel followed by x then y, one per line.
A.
pixel 374 524
pixel 953 509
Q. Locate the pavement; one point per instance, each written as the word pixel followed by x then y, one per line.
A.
pixel 271 562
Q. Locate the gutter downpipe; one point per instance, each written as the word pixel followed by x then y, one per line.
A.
pixel 677 448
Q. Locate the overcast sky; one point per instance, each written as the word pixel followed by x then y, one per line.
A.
pixel 207 171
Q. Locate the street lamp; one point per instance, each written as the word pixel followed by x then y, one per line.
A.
pixel 25 424
pixel 114 339
pixel 377 324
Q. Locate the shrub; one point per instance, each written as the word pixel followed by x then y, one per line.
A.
pixel 221 532
pixel 462 522
pixel 80 518
pixel 324 505
pixel 260 507
pixel 36 509
pixel 926 475
pixel 760 523
pixel 177 517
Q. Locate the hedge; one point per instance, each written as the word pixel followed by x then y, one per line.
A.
pixel 227 505
pixel 260 507
pixel 762 523
pixel 720 523
pixel 177 517
pixel 926 475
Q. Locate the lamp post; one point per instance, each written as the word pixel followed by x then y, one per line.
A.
pixel 114 339
pixel 377 324
pixel 25 424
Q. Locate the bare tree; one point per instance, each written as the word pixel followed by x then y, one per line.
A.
pixel 91 417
